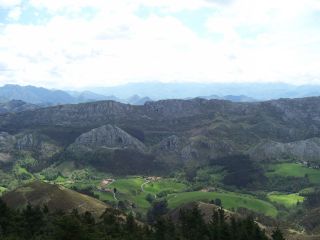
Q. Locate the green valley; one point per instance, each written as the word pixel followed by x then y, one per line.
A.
pixel 167 154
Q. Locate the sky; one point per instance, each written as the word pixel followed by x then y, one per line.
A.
pixel 77 44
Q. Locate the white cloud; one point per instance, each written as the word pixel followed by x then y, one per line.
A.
pixel 112 5
pixel 270 39
pixel 262 41
pixel 9 3
pixel 14 14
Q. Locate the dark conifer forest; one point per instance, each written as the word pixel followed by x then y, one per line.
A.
pixel 35 223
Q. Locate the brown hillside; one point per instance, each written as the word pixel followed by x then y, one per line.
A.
pixel 55 197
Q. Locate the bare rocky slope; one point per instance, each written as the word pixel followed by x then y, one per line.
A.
pixel 305 150
pixel 39 145
pixel 107 136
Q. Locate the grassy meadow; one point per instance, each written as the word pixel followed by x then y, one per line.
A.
pixel 287 200
pixel 294 170
pixel 229 200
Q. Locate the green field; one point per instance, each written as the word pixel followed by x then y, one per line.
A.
pixel 288 200
pixel 104 196
pixel 130 189
pixel 294 170
pixel 128 185
pixel 229 200
pixel 166 185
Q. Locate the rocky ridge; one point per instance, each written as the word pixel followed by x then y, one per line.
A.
pixel 179 130
pixel 33 143
pixel 107 136
pixel 15 106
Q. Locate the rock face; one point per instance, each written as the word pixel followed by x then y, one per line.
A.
pixel 33 143
pixel 203 149
pixel 304 150
pixel 36 143
pixel 168 150
pixel 198 148
pixel 170 144
pixel 189 153
pixel 6 147
pixel 27 142
pixel 108 136
pixel 6 141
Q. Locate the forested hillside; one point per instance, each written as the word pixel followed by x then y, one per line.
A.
pixel 39 223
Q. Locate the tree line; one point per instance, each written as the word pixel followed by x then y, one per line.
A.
pixel 35 223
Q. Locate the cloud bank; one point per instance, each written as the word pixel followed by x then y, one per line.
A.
pixel 80 43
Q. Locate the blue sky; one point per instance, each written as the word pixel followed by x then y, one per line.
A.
pixel 79 43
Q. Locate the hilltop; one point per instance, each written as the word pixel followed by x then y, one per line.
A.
pixel 55 197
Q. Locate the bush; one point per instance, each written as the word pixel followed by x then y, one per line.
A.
pixel 218 202
pixel 50 173
pixel 150 198
pixel 158 209
pixel 82 174
pixel 312 199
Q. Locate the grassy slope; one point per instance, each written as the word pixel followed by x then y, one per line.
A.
pixel 295 170
pixel 288 200
pixel 229 200
pixel 130 188
pixel 104 196
pixel 54 196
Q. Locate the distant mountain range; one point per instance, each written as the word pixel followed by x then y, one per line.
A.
pixel 48 97
pixel 232 98
pixel 34 95
pixel 140 93
pixel 258 91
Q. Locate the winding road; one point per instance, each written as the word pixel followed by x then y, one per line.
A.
pixel 114 196
pixel 142 187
